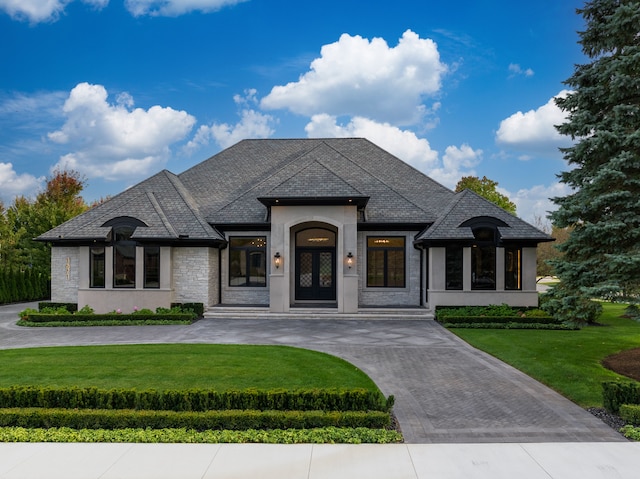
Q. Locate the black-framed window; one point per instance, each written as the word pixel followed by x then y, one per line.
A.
pixel 513 268
pixel 248 261
pixel 97 267
pixel 386 261
pixel 151 267
pixel 124 257
pixel 453 267
pixel 483 259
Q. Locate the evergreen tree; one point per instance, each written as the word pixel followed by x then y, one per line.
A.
pixel 602 254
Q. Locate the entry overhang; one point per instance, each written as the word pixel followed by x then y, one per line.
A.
pixel 359 201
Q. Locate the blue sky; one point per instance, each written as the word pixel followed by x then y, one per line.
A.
pixel 120 89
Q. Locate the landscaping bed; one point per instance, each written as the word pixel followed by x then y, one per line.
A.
pixel 67 314
pixel 352 416
pixel 496 317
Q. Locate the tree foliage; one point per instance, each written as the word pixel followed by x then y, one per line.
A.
pixel 487 189
pixel 601 257
pixel 28 218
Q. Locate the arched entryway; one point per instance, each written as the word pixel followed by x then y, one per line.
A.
pixel 315 259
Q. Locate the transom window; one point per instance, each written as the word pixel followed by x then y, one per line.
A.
pixel 247 261
pixel 386 261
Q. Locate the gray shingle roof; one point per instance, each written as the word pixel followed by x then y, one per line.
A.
pixel 161 202
pixel 468 205
pixel 225 189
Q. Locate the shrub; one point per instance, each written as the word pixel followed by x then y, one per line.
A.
pixel 71 307
pixel 615 394
pixel 195 399
pixel 199 421
pixel 196 308
pixel 630 413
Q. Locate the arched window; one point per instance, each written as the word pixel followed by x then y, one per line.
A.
pixel 124 251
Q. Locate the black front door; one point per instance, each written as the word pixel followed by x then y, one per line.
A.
pixel 315 274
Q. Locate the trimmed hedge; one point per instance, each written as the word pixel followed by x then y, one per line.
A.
pixel 77 317
pixel 616 394
pixel 195 399
pixel 499 319
pixel 562 327
pixel 198 421
pixel 327 435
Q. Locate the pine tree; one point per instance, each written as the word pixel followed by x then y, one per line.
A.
pixel 602 255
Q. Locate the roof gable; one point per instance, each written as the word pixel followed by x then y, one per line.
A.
pixel 467 210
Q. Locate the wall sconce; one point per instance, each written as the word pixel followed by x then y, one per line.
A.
pixel 349 259
pixel 276 259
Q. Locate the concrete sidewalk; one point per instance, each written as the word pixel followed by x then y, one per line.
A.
pixel 320 461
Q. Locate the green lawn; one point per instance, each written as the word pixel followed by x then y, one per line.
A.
pixel 567 361
pixel 179 366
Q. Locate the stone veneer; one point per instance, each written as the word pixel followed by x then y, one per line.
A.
pixel 65 275
pixel 195 274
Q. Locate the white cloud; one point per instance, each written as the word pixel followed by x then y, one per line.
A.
pixel 252 124
pixel 173 8
pixel 402 143
pixel 114 141
pixel 515 70
pixel 358 77
pixel 456 163
pixel 12 184
pixel 36 11
pixel 534 130
pixel 535 202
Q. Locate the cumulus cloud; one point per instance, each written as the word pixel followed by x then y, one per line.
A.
pixel 36 11
pixel 402 143
pixel 534 130
pixel 517 70
pixel 173 8
pixel 456 163
pixel 535 202
pixel 359 77
pixel 114 141
pixel 12 184
pixel 252 124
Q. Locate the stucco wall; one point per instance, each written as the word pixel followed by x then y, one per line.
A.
pixel 438 296
pixel 65 274
pixel 407 296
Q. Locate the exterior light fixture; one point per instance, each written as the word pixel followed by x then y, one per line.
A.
pixel 276 259
pixel 349 260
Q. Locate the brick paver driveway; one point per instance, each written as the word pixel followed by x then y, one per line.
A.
pixel 445 390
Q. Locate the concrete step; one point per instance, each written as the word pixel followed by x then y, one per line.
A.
pixel 262 312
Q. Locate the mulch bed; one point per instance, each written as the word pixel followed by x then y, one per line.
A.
pixel 626 363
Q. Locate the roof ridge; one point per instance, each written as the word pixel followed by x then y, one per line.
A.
pixel 377 178
pixel 189 200
pixel 163 217
pixel 264 180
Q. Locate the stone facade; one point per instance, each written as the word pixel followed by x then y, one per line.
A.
pixel 65 274
pixel 195 273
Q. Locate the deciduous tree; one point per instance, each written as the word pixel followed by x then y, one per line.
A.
pixel 487 189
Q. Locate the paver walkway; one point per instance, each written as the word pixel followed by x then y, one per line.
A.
pixel 445 390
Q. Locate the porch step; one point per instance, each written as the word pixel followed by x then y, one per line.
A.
pixel 262 312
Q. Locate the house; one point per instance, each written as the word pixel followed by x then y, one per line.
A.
pixel 339 223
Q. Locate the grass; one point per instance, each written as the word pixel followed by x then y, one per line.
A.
pixel 179 366
pixel 567 361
